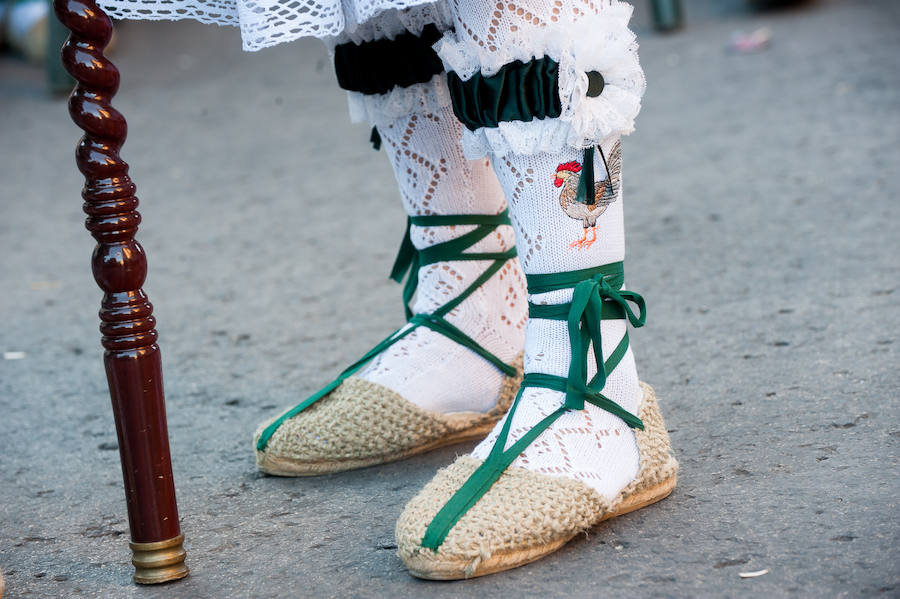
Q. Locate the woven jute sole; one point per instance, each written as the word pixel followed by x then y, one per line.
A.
pixel 425 432
pixel 505 560
pixel 279 466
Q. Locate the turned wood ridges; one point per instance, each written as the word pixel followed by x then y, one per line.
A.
pixel 119 265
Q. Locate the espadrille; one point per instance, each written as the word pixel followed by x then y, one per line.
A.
pixel 337 432
pixel 526 515
pixel 354 423
pixel 477 517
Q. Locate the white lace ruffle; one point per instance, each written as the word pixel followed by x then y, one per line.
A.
pixel 596 43
pixel 390 23
pixel 421 98
pixel 517 137
pixel 264 23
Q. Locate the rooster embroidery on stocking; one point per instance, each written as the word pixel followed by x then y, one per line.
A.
pixel 568 175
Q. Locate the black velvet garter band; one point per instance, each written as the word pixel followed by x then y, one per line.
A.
pixel 378 66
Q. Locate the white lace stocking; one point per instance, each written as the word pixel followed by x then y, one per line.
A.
pixel 435 178
pixel 589 445
pixel 421 136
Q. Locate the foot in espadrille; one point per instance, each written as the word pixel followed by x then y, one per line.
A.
pixel 526 515
pixel 452 371
pixel 583 440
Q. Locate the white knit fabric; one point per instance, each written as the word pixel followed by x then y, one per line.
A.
pixel 538 164
pixel 582 36
pixel 589 445
pixel 421 137
pixel 434 178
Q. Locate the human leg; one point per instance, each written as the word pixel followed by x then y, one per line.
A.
pixel 430 388
pixel 546 88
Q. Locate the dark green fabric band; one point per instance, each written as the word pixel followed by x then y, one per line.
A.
pixel 611 311
pixel 409 260
pixel 614 274
pixel 449 220
pixel 597 295
pixel 519 91
pixel 378 66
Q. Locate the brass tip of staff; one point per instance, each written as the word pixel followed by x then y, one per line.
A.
pixel 160 561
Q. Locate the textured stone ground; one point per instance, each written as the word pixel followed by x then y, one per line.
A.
pixel 763 230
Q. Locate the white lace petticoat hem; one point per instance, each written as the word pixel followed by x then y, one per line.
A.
pixel 263 23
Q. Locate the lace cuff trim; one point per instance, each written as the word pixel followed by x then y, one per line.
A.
pixel 602 43
pixel 382 109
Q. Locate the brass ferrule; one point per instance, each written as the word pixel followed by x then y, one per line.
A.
pixel 160 561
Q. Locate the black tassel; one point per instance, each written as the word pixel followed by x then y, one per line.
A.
pixel 586 193
pixel 607 183
pixel 375 138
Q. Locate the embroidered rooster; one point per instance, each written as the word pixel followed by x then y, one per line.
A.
pixel 568 175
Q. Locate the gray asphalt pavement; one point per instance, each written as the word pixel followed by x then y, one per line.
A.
pixel 763 229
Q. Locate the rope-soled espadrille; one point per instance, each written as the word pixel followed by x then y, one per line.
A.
pixel 353 423
pixel 526 515
pixel 362 424
pixel 478 517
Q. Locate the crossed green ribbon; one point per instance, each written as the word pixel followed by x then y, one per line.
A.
pixel 597 296
pixel 593 300
pixel 408 261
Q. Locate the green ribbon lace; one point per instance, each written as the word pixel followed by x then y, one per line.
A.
pixel 409 260
pixel 597 296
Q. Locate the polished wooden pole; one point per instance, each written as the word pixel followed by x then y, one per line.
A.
pixel 119 265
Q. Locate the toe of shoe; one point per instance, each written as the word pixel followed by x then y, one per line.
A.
pixel 357 421
pixel 524 516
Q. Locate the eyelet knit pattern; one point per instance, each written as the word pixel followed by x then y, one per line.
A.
pixel 362 423
pixel 524 515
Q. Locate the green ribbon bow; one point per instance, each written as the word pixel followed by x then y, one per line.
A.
pixel 593 300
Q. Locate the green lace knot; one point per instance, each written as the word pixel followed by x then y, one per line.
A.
pixel 584 318
pixel 597 296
